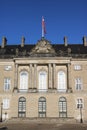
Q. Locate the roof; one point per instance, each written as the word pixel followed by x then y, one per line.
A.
pixel 71 50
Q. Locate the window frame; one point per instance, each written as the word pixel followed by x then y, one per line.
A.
pixel 77 67
pixel 25 82
pixel 8 67
pixel 42 81
pixel 63 85
pixel 42 107
pixel 79 103
pixel 22 107
pixel 78 84
pixel 62 104
pixel 6 103
pixel 7 83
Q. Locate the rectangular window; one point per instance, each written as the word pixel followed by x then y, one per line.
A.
pixel 77 67
pixel 5 103
pixel 78 84
pixel 7 67
pixel 7 84
pixel 79 103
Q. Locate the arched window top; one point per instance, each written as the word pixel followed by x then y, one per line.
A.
pixel 62 99
pixel 42 72
pixel 24 73
pixel 42 99
pixel 61 72
pixel 22 99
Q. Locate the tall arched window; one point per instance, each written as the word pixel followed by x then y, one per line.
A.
pixel 23 80
pixel 61 81
pixel 22 107
pixel 42 81
pixel 42 107
pixel 62 107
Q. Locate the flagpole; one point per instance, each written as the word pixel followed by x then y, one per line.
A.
pixel 42 27
pixel 42 33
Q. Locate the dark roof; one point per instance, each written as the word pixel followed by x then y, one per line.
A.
pixel 71 50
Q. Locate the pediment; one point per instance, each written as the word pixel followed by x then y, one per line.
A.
pixel 43 46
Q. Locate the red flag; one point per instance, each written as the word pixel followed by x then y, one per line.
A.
pixel 43 27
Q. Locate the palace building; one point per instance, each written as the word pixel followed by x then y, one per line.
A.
pixel 43 80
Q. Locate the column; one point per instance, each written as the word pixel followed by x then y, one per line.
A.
pixel 30 85
pixel 50 76
pixel 35 75
pixel 16 77
pixel 54 75
pixel 68 76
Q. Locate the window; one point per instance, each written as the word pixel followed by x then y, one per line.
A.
pixel 22 107
pixel 43 81
pixel 77 67
pixel 5 103
pixel 61 81
pixel 23 80
pixel 7 84
pixel 78 84
pixel 79 103
pixel 8 67
pixel 42 107
pixel 62 107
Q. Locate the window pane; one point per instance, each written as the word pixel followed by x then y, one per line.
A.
pixel 7 83
pixel 5 103
pixel 43 81
pixel 78 84
pixel 61 81
pixel 79 103
pixel 77 67
pixel 22 107
pixel 24 80
pixel 62 107
pixel 42 107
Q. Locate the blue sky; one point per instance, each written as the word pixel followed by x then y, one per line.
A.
pixel 62 18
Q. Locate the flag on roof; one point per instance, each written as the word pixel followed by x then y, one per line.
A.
pixel 43 27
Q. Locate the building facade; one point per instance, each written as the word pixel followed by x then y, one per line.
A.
pixel 44 80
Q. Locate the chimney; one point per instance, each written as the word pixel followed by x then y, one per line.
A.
pixel 65 41
pixel 84 41
pixel 4 42
pixel 22 41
